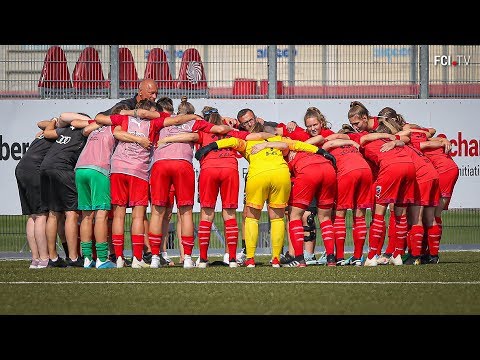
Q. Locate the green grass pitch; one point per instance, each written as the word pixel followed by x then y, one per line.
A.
pixel 451 287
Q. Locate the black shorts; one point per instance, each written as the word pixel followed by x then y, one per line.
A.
pixel 28 182
pixel 59 192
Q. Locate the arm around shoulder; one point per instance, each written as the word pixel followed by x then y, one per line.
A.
pixel 49 132
pixel 66 118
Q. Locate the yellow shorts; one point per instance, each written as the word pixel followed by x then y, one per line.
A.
pixel 272 186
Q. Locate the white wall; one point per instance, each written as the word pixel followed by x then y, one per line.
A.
pixel 458 119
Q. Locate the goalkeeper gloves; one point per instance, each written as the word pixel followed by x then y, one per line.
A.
pixel 328 156
pixel 200 153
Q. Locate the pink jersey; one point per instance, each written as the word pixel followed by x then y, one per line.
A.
pixel 179 151
pixel 98 150
pixel 130 158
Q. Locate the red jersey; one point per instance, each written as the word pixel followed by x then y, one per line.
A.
pixel 220 158
pixel 424 168
pixel 326 132
pixel 382 159
pixel 348 158
pixel 356 136
pixel 301 159
pixel 417 137
pixel 375 123
pixel 442 162
pixel 297 134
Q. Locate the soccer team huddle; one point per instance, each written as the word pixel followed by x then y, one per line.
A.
pixel 140 153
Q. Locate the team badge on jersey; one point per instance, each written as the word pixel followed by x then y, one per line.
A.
pixel 378 191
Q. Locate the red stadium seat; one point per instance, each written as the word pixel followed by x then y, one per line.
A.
pixel 191 79
pixel 55 77
pixel 88 79
pixel 127 73
pixel 245 87
pixel 157 68
pixel 264 87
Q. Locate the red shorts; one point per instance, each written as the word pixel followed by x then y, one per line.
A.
pixel 395 184
pixel 214 180
pixel 447 182
pixel 427 193
pixel 128 190
pixel 171 196
pixel 373 192
pixel 320 183
pixel 354 190
pixel 166 173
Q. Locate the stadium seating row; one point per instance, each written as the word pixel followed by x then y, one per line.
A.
pixel 88 79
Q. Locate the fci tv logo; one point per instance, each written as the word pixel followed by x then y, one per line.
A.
pixel 448 60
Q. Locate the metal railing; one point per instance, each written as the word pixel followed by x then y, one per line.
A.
pixel 241 71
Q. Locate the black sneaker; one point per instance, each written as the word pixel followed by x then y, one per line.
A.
pixel 424 259
pixel 77 263
pixel 433 259
pixel 412 260
pixel 297 261
pixel 112 257
pixel 128 262
pixel 331 260
pixel 60 263
pixel 165 261
pixel 287 258
pixel 147 257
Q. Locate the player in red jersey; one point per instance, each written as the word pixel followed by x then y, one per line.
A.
pixel 438 153
pixel 393 184
pixel 354 184
pixel 363 123
pixel 317 129
pixel 172 164
pixel 353 172
pixel 360 118
pixel 415 136
pixel 421 214
pixel 437 150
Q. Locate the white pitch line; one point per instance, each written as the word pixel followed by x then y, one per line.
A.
pixel 240 282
